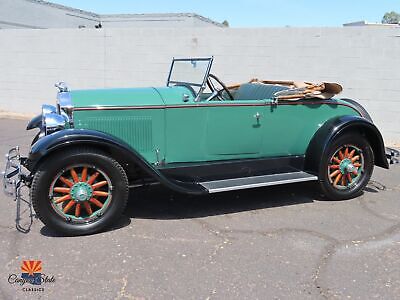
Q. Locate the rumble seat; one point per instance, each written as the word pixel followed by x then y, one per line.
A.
pixel 258 91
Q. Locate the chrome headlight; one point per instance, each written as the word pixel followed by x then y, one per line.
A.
pixel 53 122
pixel 48 109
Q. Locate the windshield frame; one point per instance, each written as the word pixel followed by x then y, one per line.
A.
pixel 201 85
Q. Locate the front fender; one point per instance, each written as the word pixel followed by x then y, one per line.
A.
pixel 117 148
pixel 335 127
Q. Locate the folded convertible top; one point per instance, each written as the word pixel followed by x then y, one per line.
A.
pixel 300 90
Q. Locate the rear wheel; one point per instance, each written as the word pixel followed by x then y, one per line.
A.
pixel 80 191
pixel 346 167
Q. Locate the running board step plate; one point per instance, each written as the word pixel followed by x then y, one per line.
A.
pixel 256 181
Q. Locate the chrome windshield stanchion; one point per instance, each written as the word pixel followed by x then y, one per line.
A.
pixel 14 180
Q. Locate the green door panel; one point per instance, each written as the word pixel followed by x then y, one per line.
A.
pixel 142 129
pixel 235 131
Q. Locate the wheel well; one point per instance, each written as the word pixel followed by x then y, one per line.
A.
pixel 337 127
pixel 131 169
pixel 373 139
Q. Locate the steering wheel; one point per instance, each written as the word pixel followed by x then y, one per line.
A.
pixel 217 93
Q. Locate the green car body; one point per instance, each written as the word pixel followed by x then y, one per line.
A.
pixel 191 141
pixel 156 119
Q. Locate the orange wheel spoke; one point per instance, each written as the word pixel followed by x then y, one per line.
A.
pixel 346 152
pixel 62 190
pixel 93 178
pixel 88 208
pixel 341 155
pixel 334 173
pixel 343 180
pixel 357 165
pixel 101 194
pixel 337 160
pixel 349 178
pixel 84 174
pixel 99 184
pixel 96 202
pixel 63 199
pixel 77 210
pixel 355 158
pixel 334 167
pixel 352 153
pixel 66 181
pixel 337 179
pixel 69 206
pixel 74 175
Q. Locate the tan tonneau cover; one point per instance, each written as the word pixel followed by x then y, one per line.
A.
pixel 300 90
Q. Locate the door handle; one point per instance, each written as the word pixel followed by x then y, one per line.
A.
pixel 257 116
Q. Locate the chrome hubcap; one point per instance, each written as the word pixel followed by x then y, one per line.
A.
pixel 81 192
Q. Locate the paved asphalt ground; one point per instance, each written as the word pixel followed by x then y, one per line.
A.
pixel 283 242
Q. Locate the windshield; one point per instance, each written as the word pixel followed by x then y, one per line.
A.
pixel 190 71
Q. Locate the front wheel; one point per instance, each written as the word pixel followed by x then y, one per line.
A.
pixel 346 167
pixel 79 191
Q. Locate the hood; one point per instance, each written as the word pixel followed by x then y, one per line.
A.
pixel 130 96
pixel 116 97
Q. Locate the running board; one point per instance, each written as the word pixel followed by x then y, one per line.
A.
pixel 256 181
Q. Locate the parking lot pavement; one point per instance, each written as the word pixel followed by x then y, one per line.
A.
pixel 280 242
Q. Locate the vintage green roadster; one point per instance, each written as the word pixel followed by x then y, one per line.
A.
pixel 193 136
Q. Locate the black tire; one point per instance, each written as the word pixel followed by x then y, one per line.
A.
pixel 47 172
pixel 353 188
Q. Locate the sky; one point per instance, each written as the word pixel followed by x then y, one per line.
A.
pixel 253 13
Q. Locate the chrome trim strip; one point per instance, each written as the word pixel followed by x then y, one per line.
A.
pixel 207 105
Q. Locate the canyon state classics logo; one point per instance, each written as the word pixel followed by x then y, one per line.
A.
pixel 32 271
pixel 32 278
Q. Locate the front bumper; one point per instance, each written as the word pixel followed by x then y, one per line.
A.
pixel 392 155
pixel 13 175
pixel 14 180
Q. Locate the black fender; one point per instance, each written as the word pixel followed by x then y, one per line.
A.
pixel 116 147
pixel 335 127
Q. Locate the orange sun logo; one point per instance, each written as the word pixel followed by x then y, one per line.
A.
pixel 31 266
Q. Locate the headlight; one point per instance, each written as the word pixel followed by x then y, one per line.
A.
pixel 53 122
pixel 58 117
pixel 48 109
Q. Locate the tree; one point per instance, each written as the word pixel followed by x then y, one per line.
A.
pixel 225 23
pixel 391 18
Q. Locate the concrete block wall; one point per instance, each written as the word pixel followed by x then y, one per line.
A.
pixel 365 61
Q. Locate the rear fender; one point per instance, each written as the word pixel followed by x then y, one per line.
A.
pixel 337 126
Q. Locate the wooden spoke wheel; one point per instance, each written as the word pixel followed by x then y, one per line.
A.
pixel 81 193
pixel 346 166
